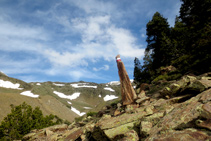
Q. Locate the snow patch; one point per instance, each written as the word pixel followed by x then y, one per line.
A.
pixel 109 97
pixel 100 96
pixel 8 84
pixel 114 83
pixel 58 84
pixel 69 102
pixel 87 108
pixel 109 89
pixel 117 82
pixel 71 97
pixel 82 85
pixel 38 84
pixel 30 94
pixel 77 112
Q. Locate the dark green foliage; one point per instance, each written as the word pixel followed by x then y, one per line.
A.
pixel 185 46
pixel 137 70
pixel 22 120
pixel 91 114
pixel 78 119
pixel 159 44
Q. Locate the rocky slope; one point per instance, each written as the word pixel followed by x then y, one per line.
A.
pixel 176 110
pixel 66 100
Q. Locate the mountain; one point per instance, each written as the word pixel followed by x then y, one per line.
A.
pixel 66 100
pixel 165 111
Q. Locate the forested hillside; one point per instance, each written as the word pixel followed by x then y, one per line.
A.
pixel 186 46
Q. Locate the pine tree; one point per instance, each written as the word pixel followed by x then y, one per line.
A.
pixel 157 35
pixel 137 70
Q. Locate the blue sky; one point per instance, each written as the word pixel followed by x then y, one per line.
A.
pixel 73 40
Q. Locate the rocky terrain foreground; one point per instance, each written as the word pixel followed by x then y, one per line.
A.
pixel 178 110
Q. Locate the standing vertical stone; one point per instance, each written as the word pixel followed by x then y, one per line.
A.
pixel 127 91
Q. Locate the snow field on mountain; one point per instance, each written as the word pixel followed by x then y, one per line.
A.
pixel 69 102
pixel 30 94
pixel 82 85
pixel 70 97
pixel 109 97
pixel 8 84
pixel 87 108
pixel 77 112
pixel 109 89
pixel 58 84
pixel 114 83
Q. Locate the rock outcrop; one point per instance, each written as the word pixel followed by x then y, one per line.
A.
pixel 184 115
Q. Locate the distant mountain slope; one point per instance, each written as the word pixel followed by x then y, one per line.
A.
pixel 66 100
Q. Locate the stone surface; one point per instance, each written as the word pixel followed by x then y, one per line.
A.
pixel 141 100
pixel 145 128
pixel 130 108
pixel 122 129
pixel 185 135
pixel 130 136
pixel 142 94
pixel 204 124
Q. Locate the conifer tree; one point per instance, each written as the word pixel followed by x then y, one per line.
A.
pixel 157 36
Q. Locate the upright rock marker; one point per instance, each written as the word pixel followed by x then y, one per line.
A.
pixel 127 91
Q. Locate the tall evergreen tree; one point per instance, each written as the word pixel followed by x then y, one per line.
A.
pixel 137 70
pixel 157 35
pixel 196 22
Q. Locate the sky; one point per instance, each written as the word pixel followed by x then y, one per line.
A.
pixel 75 40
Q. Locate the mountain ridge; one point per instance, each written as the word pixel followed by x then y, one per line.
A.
pixel 72 98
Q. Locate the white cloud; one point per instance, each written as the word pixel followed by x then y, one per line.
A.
pixel 100 39
pixel 105 68
pixel 93 6
pixel 22 31
pixel 66 58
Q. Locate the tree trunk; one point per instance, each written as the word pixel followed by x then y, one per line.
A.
pixel 127 91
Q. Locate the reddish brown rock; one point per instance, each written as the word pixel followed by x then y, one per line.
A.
pixel 185 135
pixel 73 136
pixel 204 124
pixel 117 112
pixel 206 110
pixel 130 136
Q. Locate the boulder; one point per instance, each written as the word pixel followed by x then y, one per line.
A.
pixel 130 136
pixel 149 110
pixel 117 112
pixel 187 84
pixel 185 135
pixel 204 124
pixel 76 134
pixel 131 108
pixel 145 128
pixel 141 100
pixel 183 115
pixel 142 94
pixel 119 130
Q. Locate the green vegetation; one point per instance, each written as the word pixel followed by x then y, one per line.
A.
pixel 91 114
pixel 184 46
pixel 23 119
